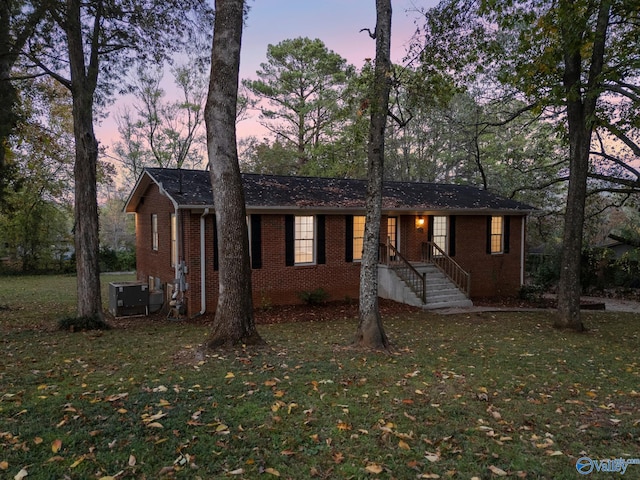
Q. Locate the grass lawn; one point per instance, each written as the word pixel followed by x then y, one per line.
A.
pixel 476 395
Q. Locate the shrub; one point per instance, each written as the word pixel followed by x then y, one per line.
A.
pixel 79 324
pixel 314 297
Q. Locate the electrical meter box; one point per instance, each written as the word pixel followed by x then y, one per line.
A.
pixel 128 298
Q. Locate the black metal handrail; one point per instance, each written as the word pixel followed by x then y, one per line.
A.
pixel 432 253
pixel 390 256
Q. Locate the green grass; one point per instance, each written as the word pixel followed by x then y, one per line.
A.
pixel 460 396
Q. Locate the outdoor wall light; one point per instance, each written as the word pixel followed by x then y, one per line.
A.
pixel 420 223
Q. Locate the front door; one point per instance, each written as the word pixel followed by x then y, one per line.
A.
pixel 392 231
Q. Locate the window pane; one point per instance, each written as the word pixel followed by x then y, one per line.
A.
pixel 496 234
pixel 304 239
pixel 174 243
pixel 358 236
pixel 154 231
pixel 392 232
pixel 439 236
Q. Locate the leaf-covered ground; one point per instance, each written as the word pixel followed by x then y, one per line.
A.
pixel 472 395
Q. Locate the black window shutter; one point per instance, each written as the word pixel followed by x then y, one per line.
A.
pixel 289 256
pixel 489 234
pixel 348 238
pixel 216 265
pixel 507 233
pixel 430 228
pixel 452 235
pixel 256 241
pixel 321 240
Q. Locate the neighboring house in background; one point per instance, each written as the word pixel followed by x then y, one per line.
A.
pixel 618 245
pixel 306 233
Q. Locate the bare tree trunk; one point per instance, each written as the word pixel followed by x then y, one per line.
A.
pixel 370 333
pixel 581 105
pixel 87 243
pixel 233 323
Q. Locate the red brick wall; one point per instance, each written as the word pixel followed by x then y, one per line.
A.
pixel 149 262
pixel 277 284
pixel 492 275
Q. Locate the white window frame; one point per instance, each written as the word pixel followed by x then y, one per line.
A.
pixel 440 233
pixel 496 235
pixel 154 232
pixel 358 236
pixel 303 241
pixel 174 240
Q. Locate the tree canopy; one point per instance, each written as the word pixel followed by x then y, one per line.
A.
pixel 300 94
pixel 575 60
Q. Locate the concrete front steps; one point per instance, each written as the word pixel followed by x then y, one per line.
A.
pixel 441 292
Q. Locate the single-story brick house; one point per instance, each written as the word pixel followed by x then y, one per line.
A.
pixel 306 233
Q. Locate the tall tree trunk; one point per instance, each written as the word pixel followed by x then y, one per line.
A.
pixel 12 40
pixel 233 323
pixel 8 96
pixel 370 333
pixel 84 80
pixel 581 104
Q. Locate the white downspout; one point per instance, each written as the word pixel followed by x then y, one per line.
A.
pixel 522 242
pixel 203 264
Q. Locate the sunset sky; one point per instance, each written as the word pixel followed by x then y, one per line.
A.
pixel 336 22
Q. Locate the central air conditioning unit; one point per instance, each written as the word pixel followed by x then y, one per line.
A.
pixel 128 298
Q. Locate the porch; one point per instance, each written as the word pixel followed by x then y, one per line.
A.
pixel 434 281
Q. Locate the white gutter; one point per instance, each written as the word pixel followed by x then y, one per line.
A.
pixel 203 269
pixel 522 245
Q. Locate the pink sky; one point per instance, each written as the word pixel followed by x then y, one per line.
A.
pixel 336 22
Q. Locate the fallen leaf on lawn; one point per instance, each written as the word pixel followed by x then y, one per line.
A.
pixel 132 460
pixel 229 375
pixel 272 471
pixel 429 475
pixel 344 426
pixel 432 457
pixel 4 465
pixel 155 425
pixel 497 471
pixel 237 471
pixel 554 453
pixel 56 445
pixel 21 474
pixel 107 478
pixel 221 428
pixel 338 457
pixel 37 440
pixel 77 462
pixel 403 445
pixel 160 389
pixel 57 458
pixel 374 468
pixel 287 453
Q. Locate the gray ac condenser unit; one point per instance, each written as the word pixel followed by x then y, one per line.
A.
pixel 128 298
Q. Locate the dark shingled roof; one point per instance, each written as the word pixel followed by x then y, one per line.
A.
pixel 192 188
